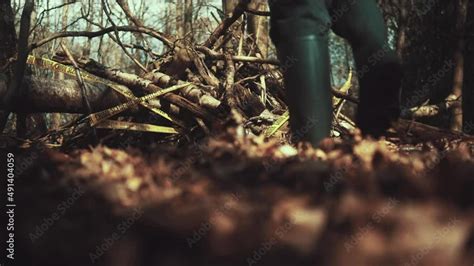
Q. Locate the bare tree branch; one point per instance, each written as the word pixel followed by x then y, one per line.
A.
pixel 93 34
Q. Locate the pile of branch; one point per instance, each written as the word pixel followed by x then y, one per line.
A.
pixel 226 77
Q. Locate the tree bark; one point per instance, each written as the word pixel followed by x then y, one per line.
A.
pixel 468 88
pixel 456 114
pixel 180 19
pixel 7 48
pixel 15 88
pixel 257 26
pixel 402 28
pixel 61 96
pixel 188 19
pixel 228 6
pixel 7 37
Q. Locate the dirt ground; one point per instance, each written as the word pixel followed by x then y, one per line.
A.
pixel 237 200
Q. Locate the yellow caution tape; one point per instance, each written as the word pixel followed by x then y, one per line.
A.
pixel 68 70
pixel 344 89
pixel 144 104
pixel 278 124
pixel 95 118
pixel 113 124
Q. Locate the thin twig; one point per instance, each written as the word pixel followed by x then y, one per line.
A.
pixel 107 14
pixel 82 84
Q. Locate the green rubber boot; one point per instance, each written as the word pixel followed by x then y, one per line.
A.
pixel 307 87
pixel 379 71
pixel 302 44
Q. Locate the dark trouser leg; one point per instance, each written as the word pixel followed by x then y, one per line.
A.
pixel 361 23
pixel 300 33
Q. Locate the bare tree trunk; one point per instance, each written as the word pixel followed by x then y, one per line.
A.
pixel 167 22
pixel 468 88
pixel 7 37
pixel 86 51
pixel 14 92
pixel 188 19
pixel 257 26
pixel 180 18
pixel 402 28
pixel 457 115
pixel 228 6
pixel 7 48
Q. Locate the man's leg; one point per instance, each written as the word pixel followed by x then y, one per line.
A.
pixel 299 30
pixel 362 24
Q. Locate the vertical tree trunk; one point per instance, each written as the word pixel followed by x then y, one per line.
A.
pixel 402 28
pixel 257 26
pixel 7 48
pixel 167 22
pixel 180 18
pixel 188 18
pixel 15 88
pixel 86 51
pixel 228 6
pixel 456 118
pixel 7 37
pixel 468 88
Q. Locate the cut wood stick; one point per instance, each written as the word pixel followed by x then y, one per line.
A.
pixel 432 110
pixel 211 54
pixel 122 125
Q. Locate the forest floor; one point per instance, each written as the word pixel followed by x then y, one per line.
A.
pixel 238 200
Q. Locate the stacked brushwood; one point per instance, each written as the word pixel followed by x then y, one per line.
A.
pixel 221 79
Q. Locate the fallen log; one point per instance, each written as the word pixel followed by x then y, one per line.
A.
pixel 432 110
pixel 62 96
pixel 139 84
